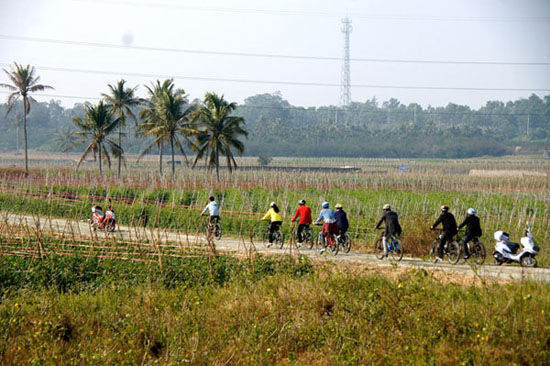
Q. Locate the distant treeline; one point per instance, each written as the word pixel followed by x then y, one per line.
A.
pixel 367 129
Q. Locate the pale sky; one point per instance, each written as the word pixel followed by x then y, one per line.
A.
pixel 461 30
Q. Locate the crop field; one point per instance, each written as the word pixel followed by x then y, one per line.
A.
pixel 74 297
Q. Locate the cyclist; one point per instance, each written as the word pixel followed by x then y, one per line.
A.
pixel 473 229
pixel 449 229
pixel 304 213
pixel 213 211
pixel 97 214
pixel 341 220
pixel 391 226
pixel 330 227
pixel 275 219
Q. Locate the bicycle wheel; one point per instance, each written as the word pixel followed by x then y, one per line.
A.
pixel 333 244
pixel 479 253
pixel 265 238
pixel 453 252
pixel 279 239
pixel 319 241
pixel 396 249
pixel 308 239
pixel 346 243
pixel 379 248
pixel 433 249
pixel 218 231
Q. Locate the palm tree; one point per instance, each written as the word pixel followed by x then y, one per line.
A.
pixel 98 123
pixel 121 100
pixel 218 132
pixel 24 82
pixel 168 118
pixel 64 138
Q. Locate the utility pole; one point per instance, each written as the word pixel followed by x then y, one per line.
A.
pixel 345 85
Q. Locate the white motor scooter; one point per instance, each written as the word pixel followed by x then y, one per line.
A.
pixel 507 251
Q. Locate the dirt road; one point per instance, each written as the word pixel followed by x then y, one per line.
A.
pixel 490 271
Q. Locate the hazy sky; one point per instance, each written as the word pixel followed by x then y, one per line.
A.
pixel 461 30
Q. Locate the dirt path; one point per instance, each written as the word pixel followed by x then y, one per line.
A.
pixel 489 271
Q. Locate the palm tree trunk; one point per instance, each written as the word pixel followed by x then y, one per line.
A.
pixel 160 157
pixel 217 163
pixel 119 144
pixel 25 133
pixel 173 162
pixel 100 166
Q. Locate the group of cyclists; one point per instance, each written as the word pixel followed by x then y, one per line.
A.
pixel 335 222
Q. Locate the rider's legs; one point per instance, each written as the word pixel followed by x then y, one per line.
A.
pixel 444 239
pixel 465 240
pixel 300 232
pixel 273 226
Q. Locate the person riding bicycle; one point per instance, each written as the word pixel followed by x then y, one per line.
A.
pixel 448 221
pixel 473 230
pixel 213 211
pixel 341 220
pixel 304 212
pixel 330 227
pixel 391 226
pixel 97 214
pixel 276 220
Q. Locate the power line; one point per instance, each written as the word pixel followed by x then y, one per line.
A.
pixel 317 13
pixel 276 82
pixel 425 112
pixel 262 55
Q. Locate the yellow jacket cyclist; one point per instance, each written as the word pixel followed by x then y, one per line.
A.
pixel 275 218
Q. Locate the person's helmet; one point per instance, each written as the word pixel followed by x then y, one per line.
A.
pixel 93 209
pixel 387 206
pixel 325 205
pixel 338 205
pixel 301 202
pixel 444 208
pixel 472 211
pixel 272 204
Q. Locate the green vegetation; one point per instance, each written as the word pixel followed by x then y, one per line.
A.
pixel 368 129
pixel 264 312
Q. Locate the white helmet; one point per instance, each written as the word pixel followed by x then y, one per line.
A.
pixel 301 202
pixel 272 204
pixel 93 209
pixel 387 206
pixel 472 211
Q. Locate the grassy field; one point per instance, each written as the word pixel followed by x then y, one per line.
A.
pixel 67 310
pixel 78 303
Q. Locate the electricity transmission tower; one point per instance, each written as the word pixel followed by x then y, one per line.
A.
pixel 345 85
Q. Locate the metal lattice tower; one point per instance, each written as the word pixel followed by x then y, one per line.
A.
pixel 345 85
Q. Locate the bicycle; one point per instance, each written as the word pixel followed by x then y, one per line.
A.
pixel 476 249
pixel 307 236
pixel 451 249
pixel 212 229
pixel 344 241
pixel 394 246
pixel 329 242
pixel 278 239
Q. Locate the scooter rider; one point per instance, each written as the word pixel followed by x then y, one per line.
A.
pixel 391 226
pixel 304 212
pixel 449 229
pixel 473 230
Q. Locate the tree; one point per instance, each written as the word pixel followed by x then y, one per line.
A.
pixel 65 138
pixel 99 122
pixel 121 100
pixel 24 82
pixel 218 132
pixel 168 118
